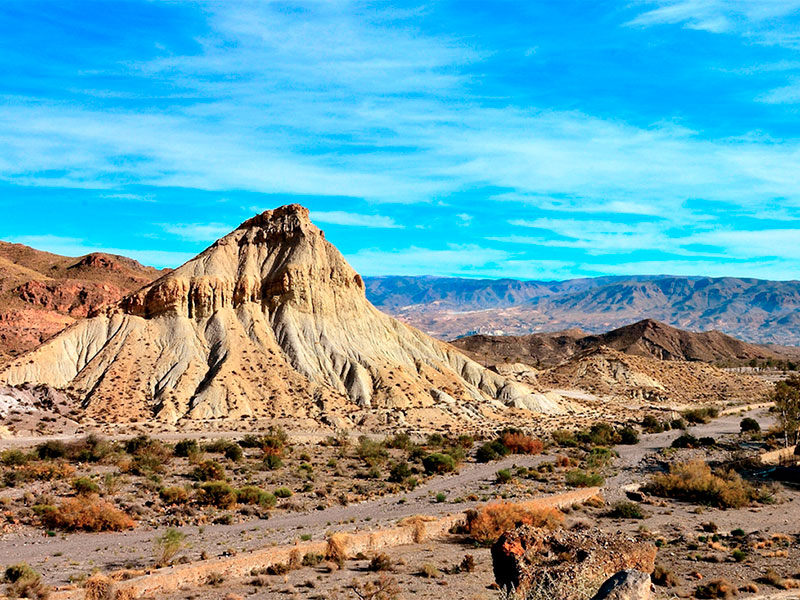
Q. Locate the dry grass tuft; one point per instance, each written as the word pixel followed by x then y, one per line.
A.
pixel 87 513
pixel 99 587
pixel 417 523
pixel 337 548
pixel 491 521
pixel 694 481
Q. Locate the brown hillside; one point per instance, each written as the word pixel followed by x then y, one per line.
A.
pixel 647 338
pixel 42 293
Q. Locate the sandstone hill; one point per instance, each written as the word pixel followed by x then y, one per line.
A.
pixel 647 338
pixel 42 293
pixel 606 372
pixel 750 309
pixel 270 321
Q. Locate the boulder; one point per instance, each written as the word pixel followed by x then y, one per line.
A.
pixel 570 565
pixel 626 585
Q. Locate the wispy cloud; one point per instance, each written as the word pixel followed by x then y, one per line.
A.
pixel 467 259
pixel 197 232
pixel 339 217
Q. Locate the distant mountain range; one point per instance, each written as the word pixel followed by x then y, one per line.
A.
pixel 755 310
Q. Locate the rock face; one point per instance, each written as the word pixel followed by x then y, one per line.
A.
pixel 269 321
pixel 626 585
pixel 570 565
pixel 42 293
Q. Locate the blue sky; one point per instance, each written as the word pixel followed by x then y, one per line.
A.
pixel 531 139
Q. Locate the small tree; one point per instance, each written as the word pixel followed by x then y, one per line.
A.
pixel 787 404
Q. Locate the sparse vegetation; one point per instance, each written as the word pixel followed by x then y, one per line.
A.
pixel 694 481
pixel 488 523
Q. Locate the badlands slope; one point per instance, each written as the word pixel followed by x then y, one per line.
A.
pixel 270 321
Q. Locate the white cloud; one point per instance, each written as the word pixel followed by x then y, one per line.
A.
pixel 339 217
pixel 197 232
pixel 466 259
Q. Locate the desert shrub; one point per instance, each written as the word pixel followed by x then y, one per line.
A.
pixel 599 434
pixel 438 463
pixel 380 562
pixel 272 462
pixel 687 440
pixel 274 442
pixel 519 443
pixel 491 451
pixel 216 446
pixel 92 448
pixel 440 497
pixel 749 425
pixel 466 441
pixel 399 472
pixel 491 521
pixel 581 478
pixel 626 510
pixel 168 545
pixel 599 457
pixel 84 485
pixel 251 494
pixel 149 455
pixel 336 550
pixel 664 577
pixel 435 440
pixel 370 451
pixel 51 449
pixel 174 495
pixel 14 458
pixel 98 587
pixel 87 513
pixel 707 441
pixel 564 438
pixel 186 448
pixel 37 471
pixel 234 452
pixel 718 588
pixel 679 423
pixel 738 533
pixel 651 424
pixel 312 559
pixel 503 476
pixel 628 436
pixel 739 555
pixel 399 441
pixel 701 415
pixel 217 493
pixel 208 470
pixel 694 481
pixel 25 583
pixel 283 492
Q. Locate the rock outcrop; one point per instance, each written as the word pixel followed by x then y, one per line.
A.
pixel 570 565
pixel 626 585
pixel 269 321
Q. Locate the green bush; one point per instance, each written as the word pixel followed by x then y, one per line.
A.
pixel 399 472
pixel 84 485
pixel 174 495
pixel 599 458
pixel 283 492
pixel 234 452
pixel 490 451
pixel 564 438
pixel 51 449
pixel 217 493
pixel 651 424
pixel 370 451
pixel 687 440
pixel 504 476
pixel 251 494
pixel 749 425
pixel 208 470
pixel 628 436
pixel 272 462
pixel 92 448
pixel 626 510
pixel 701 415
pixel 399 441
pixel 186 448
pixel 438 463
pixel 581 478
pixel 694 481
pixel 14 458
pixel 441 497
